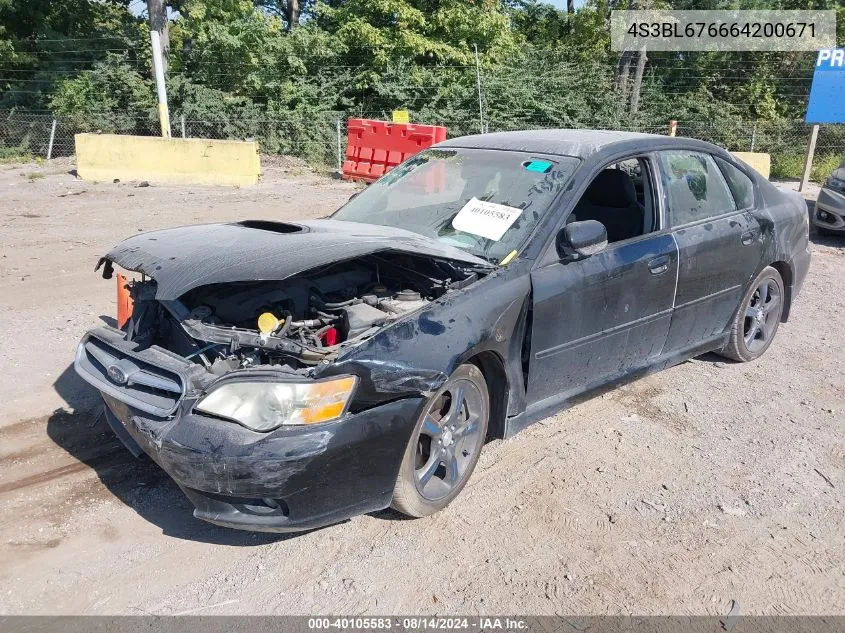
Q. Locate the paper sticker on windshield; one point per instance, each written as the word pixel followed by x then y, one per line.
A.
pixel 486 219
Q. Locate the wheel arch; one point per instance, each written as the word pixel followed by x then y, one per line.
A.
pixel 788 277
pixel 492 367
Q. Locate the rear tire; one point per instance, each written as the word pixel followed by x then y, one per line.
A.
pixel 757 319
pixel 445 445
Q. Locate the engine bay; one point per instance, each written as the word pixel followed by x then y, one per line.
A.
pixel 299 322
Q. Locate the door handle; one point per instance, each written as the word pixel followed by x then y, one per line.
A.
pixel 659 265
pixel 748 237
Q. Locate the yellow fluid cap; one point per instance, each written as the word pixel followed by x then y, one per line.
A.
pixel 268 323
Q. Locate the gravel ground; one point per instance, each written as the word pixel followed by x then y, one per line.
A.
pixel 708 483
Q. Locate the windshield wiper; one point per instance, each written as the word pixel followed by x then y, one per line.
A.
pixel 487 258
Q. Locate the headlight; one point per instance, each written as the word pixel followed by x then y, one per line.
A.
pixel 264 406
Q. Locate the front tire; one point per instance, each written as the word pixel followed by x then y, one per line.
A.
pixel 445 445
pixel 757 318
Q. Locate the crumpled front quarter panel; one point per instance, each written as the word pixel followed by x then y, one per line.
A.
pixel 420 351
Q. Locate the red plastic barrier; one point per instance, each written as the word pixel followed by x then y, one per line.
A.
pixel 373 148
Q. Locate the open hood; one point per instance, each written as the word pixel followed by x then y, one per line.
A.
pixel 188 257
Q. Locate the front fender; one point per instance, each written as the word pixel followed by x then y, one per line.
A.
pixel 417 353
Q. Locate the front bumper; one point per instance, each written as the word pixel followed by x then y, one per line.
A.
pixel 288 480
pixel 829 213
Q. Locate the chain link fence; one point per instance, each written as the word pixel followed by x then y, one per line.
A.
pixel 27 135
pixel 24 134
pixel 786 142
pixel 320 138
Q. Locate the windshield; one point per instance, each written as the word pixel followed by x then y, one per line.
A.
pixel 486 202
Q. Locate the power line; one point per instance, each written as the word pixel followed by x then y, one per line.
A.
pixel 79 50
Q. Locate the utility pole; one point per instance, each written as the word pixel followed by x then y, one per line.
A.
pixel 157 11
pixel 808 162
pixel 339 149
pixel 480 96
pixel 52 138
pixel 161 90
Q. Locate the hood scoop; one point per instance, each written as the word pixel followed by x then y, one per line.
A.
pixel 274 227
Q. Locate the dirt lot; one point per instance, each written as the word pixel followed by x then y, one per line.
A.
pixel 675 494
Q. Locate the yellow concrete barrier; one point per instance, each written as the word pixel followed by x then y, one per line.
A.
pixel 761 162
pixel 167 160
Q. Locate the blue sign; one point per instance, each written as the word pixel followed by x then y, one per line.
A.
pixel 827 94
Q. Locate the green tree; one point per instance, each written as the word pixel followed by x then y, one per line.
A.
pixel 111 97
pixel 541 24
pixel 43 41
pixel 425 31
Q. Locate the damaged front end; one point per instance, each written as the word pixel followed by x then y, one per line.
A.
pixel 228 385
pixel 295 324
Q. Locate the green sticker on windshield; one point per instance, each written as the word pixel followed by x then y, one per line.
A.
pixel 540 166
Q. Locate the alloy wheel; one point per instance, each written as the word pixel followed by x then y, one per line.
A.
pixel 761 315
pixel 449 439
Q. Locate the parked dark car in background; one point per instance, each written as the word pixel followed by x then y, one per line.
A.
pixel 829 214
pixel 292 375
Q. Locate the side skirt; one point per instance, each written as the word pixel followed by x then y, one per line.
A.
pixel 555 404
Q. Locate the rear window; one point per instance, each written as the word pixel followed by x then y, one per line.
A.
pixel 740 185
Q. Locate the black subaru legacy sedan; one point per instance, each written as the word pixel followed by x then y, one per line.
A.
pixel 292 375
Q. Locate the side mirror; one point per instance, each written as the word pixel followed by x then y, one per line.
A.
pixel 584 238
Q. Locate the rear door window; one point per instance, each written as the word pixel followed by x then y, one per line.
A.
pixel 694 187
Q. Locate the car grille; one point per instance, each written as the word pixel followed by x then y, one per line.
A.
pixel 128 378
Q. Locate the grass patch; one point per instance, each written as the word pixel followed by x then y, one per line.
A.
pixel 34 175
pixel 791 166
pixel 9 155
pixel 824 165
pixel 785 166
